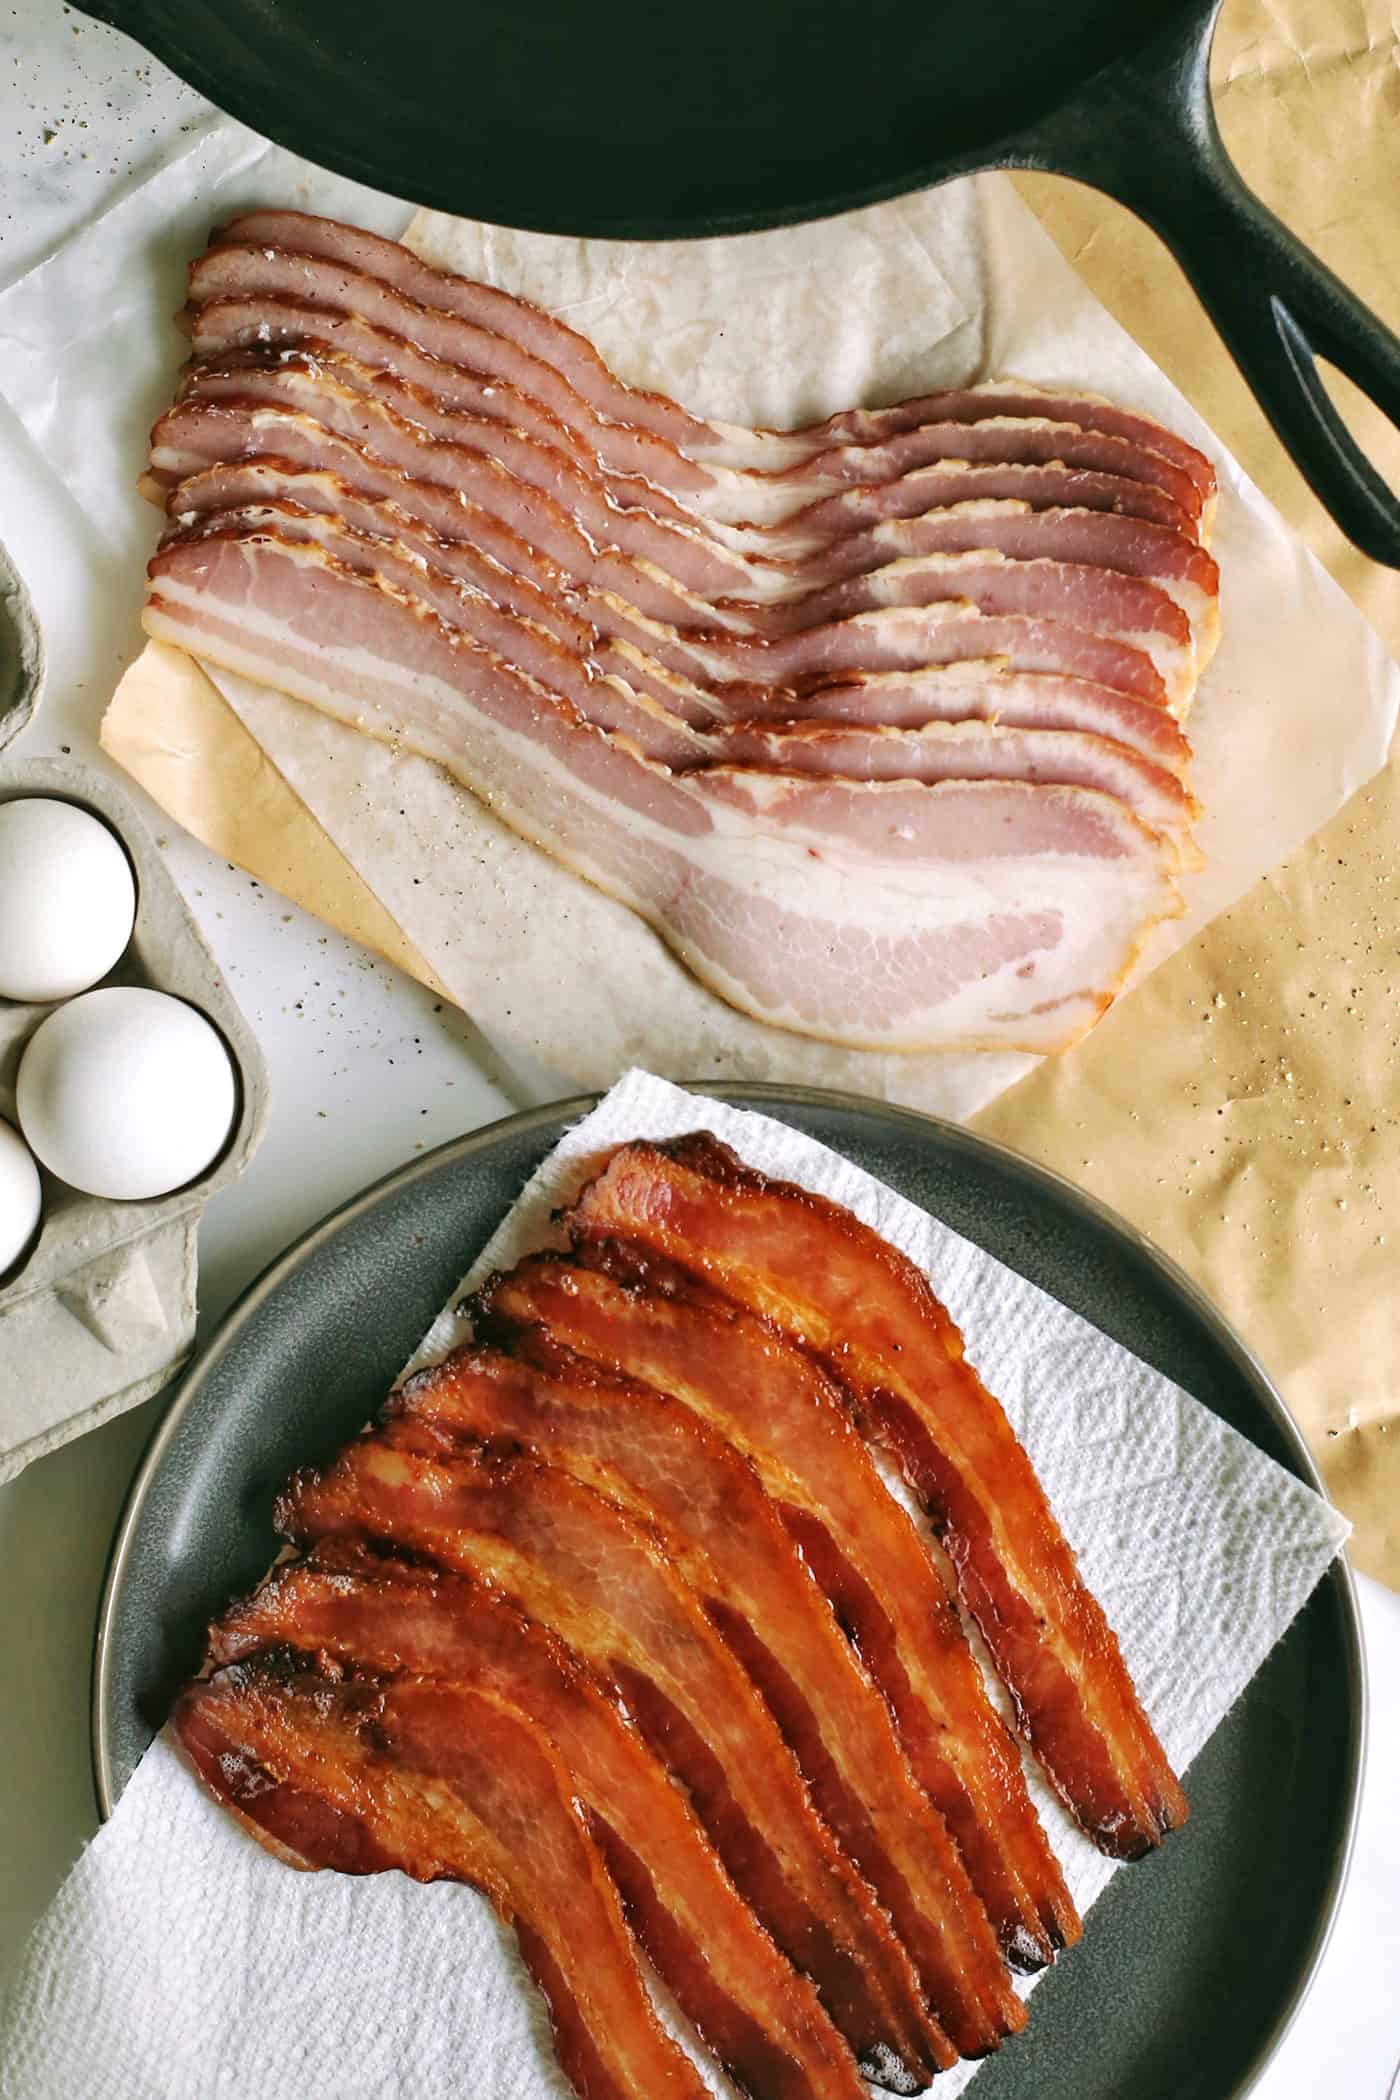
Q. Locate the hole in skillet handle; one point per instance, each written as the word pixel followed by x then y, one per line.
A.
pixel 1143 130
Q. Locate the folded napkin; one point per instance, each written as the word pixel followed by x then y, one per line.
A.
pixel 181 1959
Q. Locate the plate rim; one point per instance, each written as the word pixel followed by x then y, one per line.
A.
pixel 764 1096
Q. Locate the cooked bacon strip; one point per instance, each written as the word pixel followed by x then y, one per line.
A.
pixel 763 2021
pixel 530 345
pixel 447 1784
pixel 723 1533
pixel 772 1403
pixel 887 913
pixel 871 1316
pixel 576 1562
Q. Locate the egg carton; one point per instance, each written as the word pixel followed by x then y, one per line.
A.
pixel 101 1315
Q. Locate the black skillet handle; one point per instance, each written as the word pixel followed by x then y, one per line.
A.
pixel 1145 132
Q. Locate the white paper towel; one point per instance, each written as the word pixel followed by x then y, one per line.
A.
pixel 181 1959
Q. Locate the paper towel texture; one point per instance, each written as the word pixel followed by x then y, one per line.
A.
pixel 180 1958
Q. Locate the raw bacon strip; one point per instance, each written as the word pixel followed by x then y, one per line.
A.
pixel 446 447
pixel 577 1563
pixel 368 360
pixel 1099 601
pixel 872 1318
pixel 966 751
pixel 763 2021
pixel 449 532
pixel 719 1528
pixel 986 691
pixel 890 638
pixel 540 342
pixel 1029 440
pixel 1051 510
pixel 888 913
pixel 1104 601
pixel 772 1403
pixel 232 335
pixel 585 677
pixel 457 537
pixel 339 269
pixel 714 638
pixel 1124 545
pixel 580 675
pixel 1043 484
pixel 1002 397
pixel 447 1784
pixel 545 449
pixel 1129 545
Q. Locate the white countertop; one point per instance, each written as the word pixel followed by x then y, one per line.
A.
pixel 366 1067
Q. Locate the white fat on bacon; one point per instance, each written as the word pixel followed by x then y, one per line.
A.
pixel 893 915
pixel 878 723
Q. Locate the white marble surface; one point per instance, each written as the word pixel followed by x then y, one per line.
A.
pixel 365 1068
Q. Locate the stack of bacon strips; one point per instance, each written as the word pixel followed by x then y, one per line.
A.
pixel 877 723
pixel 613 1617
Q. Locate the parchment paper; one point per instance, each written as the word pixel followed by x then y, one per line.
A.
pixel 1297 708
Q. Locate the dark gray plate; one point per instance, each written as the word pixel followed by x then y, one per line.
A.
pixel 1197 1959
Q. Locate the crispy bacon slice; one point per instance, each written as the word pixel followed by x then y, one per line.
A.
pixel 763 2021
pixel 576 1562
pixel 774 1405
pixel 871 1317
pixel 448 1784
pixel 725 1535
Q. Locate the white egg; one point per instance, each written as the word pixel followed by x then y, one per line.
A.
pixel 20 1200
pixel 126 1092
pixel 67 899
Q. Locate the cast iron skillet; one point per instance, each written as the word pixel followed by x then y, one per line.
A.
pixel 1197 1959
pixel 649 119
